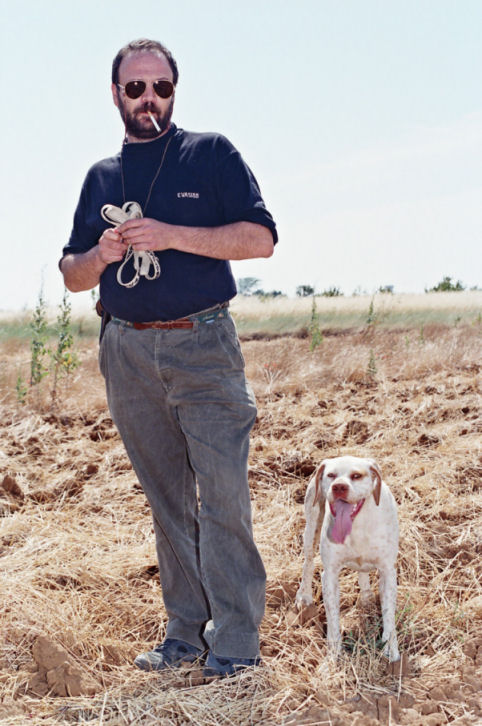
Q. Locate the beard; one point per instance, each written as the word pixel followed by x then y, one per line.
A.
pixel 140 126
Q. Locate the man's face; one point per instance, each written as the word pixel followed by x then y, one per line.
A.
pixel 143 66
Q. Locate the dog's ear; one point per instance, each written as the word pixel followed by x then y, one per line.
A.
pixel 376 474
pixel 318 489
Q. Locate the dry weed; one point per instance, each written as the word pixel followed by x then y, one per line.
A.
pixel 79 589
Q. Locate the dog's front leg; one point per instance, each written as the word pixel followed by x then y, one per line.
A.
pixel 314 517
pixel 365 589
pixel 331 601
pixel 388 599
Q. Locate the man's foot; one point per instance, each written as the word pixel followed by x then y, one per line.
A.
pixel 217 666
pixel 172 653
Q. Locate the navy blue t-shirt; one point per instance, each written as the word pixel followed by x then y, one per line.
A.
pixel 203 182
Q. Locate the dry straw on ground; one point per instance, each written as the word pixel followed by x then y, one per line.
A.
pixel 79 589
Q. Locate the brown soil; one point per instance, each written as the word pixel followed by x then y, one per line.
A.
pixel 79 589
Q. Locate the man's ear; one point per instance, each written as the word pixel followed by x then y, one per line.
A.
pixel 115 94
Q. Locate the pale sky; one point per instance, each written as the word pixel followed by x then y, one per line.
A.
pixel 361 120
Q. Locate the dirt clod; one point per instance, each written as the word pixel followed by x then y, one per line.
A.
pixel 10 485
pixel 56 673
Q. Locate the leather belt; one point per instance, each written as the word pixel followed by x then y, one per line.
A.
pixel 205 316
pixel 160 325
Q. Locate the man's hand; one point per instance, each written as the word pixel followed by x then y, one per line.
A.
pixel 235 241
pixel 112 248
pixel 147 234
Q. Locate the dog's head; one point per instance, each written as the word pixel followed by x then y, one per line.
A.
pixel 345 483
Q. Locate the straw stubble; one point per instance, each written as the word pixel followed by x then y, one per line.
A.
pixel 79 588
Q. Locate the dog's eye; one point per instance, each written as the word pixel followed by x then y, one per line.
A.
pixel 355 476
pixel 331 475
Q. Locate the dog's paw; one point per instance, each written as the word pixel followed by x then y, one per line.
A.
pixel 303 600
pixel 334 651
pixel 303 615
pixel 390 648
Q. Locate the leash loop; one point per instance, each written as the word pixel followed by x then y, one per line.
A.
pixel 142 261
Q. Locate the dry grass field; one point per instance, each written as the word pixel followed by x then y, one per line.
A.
pixel 78 578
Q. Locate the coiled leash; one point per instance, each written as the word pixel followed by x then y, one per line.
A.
pixel 142 260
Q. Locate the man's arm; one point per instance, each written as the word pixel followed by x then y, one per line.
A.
pixel 82 271
pixel 236 241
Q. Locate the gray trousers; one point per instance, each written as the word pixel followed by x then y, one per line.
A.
pixel 180 401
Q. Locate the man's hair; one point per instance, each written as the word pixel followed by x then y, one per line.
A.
pixel 143 44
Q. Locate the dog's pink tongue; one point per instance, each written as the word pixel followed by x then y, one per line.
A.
pixel 342 525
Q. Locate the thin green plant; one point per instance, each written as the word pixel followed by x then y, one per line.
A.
pixel 21 389
pixel 38 348
pixel 371 316
pixel 93 297
pixel 372 366
pixel 64 360
pixel 368 640
pixel 314 328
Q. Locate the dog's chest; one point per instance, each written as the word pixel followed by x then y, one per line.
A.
pixel 352 554
pixel 368 546
pixel 358 563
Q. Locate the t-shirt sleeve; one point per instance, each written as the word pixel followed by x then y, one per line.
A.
pixel 79 235
pixel 88 224
pixel 239 191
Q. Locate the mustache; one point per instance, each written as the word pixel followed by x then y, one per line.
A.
pixel 148 106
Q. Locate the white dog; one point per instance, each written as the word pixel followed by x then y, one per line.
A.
pixel 360 530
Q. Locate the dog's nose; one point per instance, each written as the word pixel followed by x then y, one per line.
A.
pixel 340 491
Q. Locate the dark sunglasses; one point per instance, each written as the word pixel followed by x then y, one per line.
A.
pixel 135 89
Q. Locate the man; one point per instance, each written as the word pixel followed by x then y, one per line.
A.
pixel 170 354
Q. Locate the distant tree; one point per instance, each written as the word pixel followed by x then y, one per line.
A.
pixel 446 285
pixel 271 293
pixel 305 290
pixel 386 289
pixel 359 291
pixel 246 285
pixel 332 292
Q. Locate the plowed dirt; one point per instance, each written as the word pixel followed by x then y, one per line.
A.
pixel 79 588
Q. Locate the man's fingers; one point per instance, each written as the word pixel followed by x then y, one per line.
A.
pixel 111 232
pixel 145 234
pixel 111 246
pixel 132 224
pixel 109 256
pixel 131 235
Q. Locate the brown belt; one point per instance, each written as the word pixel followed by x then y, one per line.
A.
pixel 207 316
pixel 168 325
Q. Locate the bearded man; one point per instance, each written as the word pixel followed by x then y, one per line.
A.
pixel 156 226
